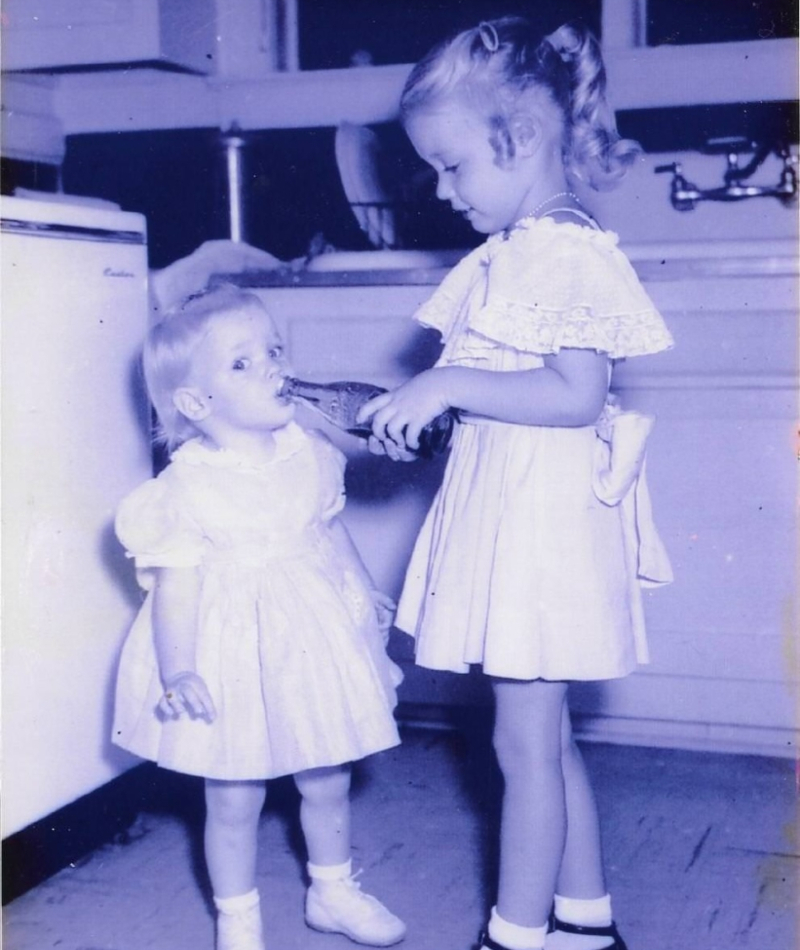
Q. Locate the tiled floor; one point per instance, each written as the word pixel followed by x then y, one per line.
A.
pixel 702 854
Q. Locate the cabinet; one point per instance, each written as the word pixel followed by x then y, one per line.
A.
pixel 722 471
pixel 58 34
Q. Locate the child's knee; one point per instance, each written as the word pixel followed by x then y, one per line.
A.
pixel 324 786
pixel 520 751
pixel 234 803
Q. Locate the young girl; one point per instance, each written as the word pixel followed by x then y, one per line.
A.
pixel 531 557
pixel 259 650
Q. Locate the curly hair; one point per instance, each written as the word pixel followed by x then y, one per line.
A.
pixel 499 63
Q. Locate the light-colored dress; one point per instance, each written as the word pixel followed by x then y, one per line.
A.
pixel 287 635
pixel 531 558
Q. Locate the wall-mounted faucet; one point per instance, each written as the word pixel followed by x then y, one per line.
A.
pixel 684 195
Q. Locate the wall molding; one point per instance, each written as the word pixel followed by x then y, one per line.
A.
pixel 695 736
pixel 762 70
pixel 651 733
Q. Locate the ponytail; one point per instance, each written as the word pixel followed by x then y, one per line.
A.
pixel 594 150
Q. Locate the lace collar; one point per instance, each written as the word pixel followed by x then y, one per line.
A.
pixel 546 224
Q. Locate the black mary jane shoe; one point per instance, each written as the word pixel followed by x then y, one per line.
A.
pixel 610 931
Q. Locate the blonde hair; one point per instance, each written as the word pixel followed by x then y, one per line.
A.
pixel 169 349
pixel 500 61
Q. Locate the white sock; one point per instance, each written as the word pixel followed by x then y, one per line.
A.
pixel 587 913
pixel 513 936
pixel 329 872
pixel 237 904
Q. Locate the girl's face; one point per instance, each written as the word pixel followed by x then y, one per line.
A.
pixel 237 370
pixel 455 142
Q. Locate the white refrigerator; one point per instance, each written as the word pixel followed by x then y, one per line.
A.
pixel 74 442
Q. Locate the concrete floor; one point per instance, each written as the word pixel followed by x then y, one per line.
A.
pixel 701 851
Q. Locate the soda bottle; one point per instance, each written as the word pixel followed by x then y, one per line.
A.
pixel 340 403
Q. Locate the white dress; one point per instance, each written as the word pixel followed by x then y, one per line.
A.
pixel 287 635
pixel 531 558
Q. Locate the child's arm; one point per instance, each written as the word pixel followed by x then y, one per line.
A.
pixel 384 605
pixel 569 390
pixel 175 598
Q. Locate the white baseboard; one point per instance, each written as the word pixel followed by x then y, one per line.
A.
pixel 695 736
pixel 654 733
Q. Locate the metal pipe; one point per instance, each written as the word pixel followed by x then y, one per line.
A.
pixel 234 143
pixel 289 34
pixel 684 194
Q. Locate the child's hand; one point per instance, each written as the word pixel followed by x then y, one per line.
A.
pixel 382 446
pixel 395 452
pixel 400 415
pixel 186 693
pixel 385 609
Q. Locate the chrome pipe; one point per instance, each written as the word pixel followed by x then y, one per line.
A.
pixel 233 144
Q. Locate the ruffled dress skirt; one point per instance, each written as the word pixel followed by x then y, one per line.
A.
pixel 520 566
pixel 301 684
pixel 287 636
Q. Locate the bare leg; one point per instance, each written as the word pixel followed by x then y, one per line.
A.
pixel 335 903
pixel 527 740
pixel 232 814
pixel 581 872
pixel 325 813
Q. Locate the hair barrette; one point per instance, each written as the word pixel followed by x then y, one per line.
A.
pixel 489 37
pixel 565 53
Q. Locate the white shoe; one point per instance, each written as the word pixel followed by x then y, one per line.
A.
pixel 341 907
pixel 240 930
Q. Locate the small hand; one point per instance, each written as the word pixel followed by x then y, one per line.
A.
pixel 395 452
pixel 399 416
pixel 385 609
pixel 186 693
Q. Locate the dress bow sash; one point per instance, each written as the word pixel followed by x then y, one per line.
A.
pixel 619 479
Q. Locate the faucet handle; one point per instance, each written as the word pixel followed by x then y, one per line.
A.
pixel 683 194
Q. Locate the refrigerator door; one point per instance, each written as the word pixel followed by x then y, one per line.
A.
pixel 75 440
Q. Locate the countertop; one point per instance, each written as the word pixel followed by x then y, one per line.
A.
pixel 652 262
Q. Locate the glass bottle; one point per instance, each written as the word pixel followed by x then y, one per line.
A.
pixel 340 402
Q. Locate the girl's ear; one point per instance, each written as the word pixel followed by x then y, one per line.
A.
pixel 525 132
pixel 190 403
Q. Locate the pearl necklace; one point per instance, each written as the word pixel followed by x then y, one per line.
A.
pixel 533 214
pixel 560 194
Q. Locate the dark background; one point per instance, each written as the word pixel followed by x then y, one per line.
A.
pixel 401 31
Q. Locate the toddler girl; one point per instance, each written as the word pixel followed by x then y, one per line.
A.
pixel 531 558
pixel 259 649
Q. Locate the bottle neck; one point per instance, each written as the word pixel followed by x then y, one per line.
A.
pixel 298 387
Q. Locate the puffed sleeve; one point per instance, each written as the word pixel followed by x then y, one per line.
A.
pixel 553 288
pixel 441 310
pixel 332 465
pixel 156 530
